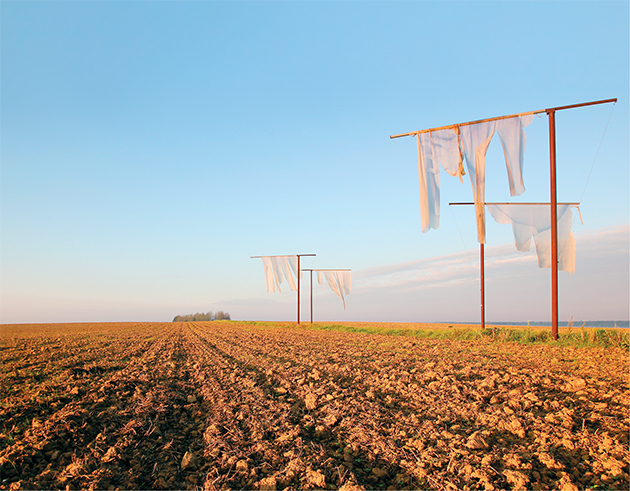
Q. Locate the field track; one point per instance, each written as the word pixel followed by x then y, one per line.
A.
pixel 218 405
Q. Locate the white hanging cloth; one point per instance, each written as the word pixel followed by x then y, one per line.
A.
pixel 339 281
pixel 447 146
pixel 534 221
pixel 435 148
pixel 476 140
pixel 513 139
pixel 277 268
pixel 270 277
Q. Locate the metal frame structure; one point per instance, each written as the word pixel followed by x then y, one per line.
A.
pixel 551 113
pixel 311 270
pixel 299 269
pixel 482 255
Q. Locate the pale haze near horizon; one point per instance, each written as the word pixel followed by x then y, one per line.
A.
pixel 150 148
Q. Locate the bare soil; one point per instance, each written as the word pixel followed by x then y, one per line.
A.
pixel 218 405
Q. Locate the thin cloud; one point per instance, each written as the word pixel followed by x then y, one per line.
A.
pixel 457 267
pixel 446 288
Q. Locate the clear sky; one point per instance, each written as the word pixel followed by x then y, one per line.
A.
pixel 150 148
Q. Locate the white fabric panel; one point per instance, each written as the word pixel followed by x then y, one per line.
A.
pixel 476 138
pixel 522 218
pixel 319 277
pixel 429 180
pixel 447 146
pixel 534 221
pixel 340 282
pixel 270 277
pixel 566 242
pixel 513 139
pixel 332 281
pixel 447 151
pixel 276 269
pixel 435 148
pixel 286 270
pixel 345 281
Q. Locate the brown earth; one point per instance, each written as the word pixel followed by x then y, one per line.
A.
pixel 218 405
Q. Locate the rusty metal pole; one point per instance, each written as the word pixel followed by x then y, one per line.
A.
pixel 298 290
pixel 311 296
pixel 483 281
pixel 554 224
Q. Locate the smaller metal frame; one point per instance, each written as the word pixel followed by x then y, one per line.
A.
pixel 482 259
pixel 311 270
pixel 298 275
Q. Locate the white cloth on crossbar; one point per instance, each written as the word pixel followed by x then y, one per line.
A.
pixel 339 281
pixel 435 148
pixel 447 147
pixel 534 221
pixel 476 139
pixel 277 268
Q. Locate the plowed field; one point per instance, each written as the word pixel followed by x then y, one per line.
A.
pixel 217 405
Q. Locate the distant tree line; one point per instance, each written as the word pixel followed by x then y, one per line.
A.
pixel 200 316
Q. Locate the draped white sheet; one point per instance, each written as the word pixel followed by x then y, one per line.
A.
pixel 435 148
pixel 277 268
pixel 534 221
pixel 339 281
pixel 447 147
pixel 476 140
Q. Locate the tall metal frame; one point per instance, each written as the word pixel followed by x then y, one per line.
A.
pixel 482 258
pixel 551 113
pixel 298 275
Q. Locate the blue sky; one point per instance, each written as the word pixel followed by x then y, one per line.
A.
pixel 150 148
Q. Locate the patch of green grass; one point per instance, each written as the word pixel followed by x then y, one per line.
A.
pixel 584 338
pixel 577 338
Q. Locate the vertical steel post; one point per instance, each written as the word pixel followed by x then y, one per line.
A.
pixel 298 290
pixel 483 281
pixel 311 296
pixel 554 224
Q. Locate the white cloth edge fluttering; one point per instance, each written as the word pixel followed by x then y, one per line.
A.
pixel 534 222
pixel 449 147
pixel 339 281
pixel 277 268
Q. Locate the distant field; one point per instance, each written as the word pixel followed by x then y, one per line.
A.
pixel 227 404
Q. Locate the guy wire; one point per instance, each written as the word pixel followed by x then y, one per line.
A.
pixel 592 167
pixel 597 153
pixel 589 176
